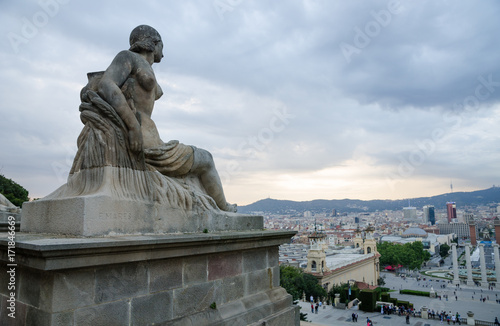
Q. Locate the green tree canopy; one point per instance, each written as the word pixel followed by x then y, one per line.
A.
pixel 296 282
pixel 15 193
pixel 443 250
pixel 343 290
pixel 409 255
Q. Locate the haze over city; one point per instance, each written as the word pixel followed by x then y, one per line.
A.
pixel 296 100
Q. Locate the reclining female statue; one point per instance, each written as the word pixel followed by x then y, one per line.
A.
pixel 123 98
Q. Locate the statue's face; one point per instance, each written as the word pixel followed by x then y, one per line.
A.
pixel 158 53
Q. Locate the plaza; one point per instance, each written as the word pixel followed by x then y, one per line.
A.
pixel 467 299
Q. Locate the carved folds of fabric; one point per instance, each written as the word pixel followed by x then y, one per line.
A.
pixel 104 164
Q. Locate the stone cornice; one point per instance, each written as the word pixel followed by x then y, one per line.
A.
pixel 46 252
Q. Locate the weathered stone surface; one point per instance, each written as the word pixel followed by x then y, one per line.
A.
pixel 194 298
pixel 7 206
pixel 224 265
pixel 20 313
pixel 4 279
pixel 194 270
pixel 109 314
pixel 30 284
pixel 151 309
pixel 235 308
pixel 280 298
pixel 275 276
pixel 69 253
pixel 273 256
pixel 70 290
pixel 98 291
pixel 165 275
pixel 289 316
pixel 254 260
pixel 233 288
pixel 5 219
pixel 37 317
pixel 105 215
pixel 257 281
pixel 122 281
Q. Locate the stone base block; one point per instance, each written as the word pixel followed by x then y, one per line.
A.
pixel 104 215
pixel 4 221
pixel 229 278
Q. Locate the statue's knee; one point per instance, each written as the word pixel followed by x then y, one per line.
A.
pixel 203 160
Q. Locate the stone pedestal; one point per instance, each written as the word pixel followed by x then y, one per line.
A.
pixel 5 217
pixel 103 214
pixel 470 318
pixel 425 313
pixel 468 264
pixel 228 278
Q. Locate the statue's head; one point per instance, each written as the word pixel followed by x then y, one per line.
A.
pixel 144 38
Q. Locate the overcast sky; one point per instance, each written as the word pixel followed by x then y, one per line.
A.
pixel 296 100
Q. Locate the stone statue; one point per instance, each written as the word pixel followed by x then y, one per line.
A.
pixel 116 109
pixel 6 205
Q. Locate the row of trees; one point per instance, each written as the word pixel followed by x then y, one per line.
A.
pixel 296 283
pixel 409 255
pixel 15 193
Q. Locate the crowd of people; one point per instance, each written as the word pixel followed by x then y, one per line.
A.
pixel 444 316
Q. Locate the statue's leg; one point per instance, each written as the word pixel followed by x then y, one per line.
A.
pixel 204 167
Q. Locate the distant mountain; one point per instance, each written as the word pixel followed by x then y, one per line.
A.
pixel 463 199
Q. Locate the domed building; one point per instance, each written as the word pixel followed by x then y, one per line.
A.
pixel 414 232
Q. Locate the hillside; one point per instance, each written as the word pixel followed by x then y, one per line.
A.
pixel 463 199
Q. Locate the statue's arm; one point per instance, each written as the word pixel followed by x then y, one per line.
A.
pixel 110 90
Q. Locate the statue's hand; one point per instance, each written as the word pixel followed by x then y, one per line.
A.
pixel 135 140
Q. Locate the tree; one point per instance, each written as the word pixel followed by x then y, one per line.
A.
pixel 409 255
pixel 296 282
pixel 15 193
pixel 343 290
pixel 291 280
pixel 443 250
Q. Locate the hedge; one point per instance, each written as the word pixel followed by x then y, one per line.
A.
pixel 368 299
pixel 385 297
pixel 413 292
pixel 406 304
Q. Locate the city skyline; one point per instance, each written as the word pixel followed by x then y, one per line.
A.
pixel 298 100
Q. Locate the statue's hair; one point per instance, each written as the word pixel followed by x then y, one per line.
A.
pixel 144 38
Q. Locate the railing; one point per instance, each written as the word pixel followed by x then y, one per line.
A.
pixel 483 323
pixel 463 321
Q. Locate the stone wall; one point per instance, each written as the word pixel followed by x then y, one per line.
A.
pixel 225 279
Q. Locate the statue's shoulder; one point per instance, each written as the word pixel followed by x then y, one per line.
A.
pixel 125 56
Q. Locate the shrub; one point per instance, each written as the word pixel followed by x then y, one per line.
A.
pixel 368 299
pixel 413 292
pixel 406 304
